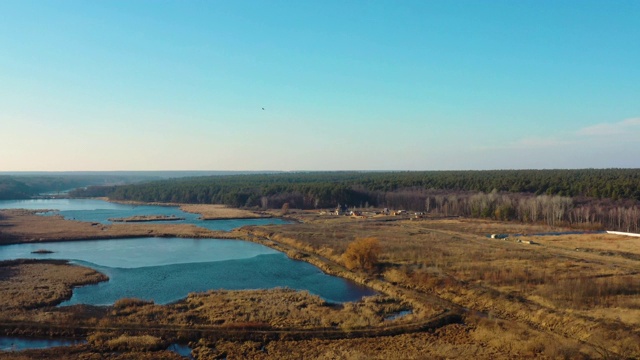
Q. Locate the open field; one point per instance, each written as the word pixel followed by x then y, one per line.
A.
pixel 589 297
pixel 518 300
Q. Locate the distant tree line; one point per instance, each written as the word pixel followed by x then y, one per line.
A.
pixel 28 186
pixel 589 197
pixel 25 187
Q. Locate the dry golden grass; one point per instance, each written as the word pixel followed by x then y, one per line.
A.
pixel 480 339
pixel 217 212
pixel 31 284
pixel 608 244
pixel 453 340
pixel 549 286
pixel 124 342
pixel 275 308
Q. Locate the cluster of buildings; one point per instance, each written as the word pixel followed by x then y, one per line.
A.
pixel 343 210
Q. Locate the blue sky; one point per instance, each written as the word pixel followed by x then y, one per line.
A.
pixel 346 85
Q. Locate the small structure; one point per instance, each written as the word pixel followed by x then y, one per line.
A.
pixel 341 209
pixel 623 233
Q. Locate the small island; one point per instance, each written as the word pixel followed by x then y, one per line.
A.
pixel 146 218
pixel 221 212
pixel 42 251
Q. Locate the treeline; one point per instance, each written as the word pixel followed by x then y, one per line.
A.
pixel 17 187
pixel 587 198
pixel 554 210
pixel 28 186
pixel 321 189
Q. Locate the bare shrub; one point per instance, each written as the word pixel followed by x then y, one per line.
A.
pixel 362 254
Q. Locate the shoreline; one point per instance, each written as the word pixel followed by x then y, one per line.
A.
pixel 206 211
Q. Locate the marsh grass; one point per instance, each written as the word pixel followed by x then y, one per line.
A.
pixel 213 211
pixel 275 308
pixel 29 284
pixel 547 286
pixel 122 342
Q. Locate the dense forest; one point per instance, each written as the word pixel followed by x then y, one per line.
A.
pixel 590 198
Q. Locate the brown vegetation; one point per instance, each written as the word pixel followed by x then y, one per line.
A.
pixel 362 254
pixel 28 284
pixel 569 296
pixel 272 309
pixel 548 287
pixel 219 212
pixel 88 352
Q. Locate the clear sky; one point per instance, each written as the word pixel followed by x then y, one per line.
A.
pixel 345 85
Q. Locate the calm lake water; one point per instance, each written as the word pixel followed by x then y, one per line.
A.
pixel 92 210
pixel 167 269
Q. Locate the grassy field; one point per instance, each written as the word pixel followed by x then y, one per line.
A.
pixel 568 296
pixel 588 297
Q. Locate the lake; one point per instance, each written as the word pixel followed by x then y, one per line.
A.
pixel 92 210
pixel 167 269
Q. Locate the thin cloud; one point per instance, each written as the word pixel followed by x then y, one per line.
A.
pixel 607 129
pixel 536 142
pixel 528 143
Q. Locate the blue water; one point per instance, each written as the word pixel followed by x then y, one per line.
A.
pixel 9 343
pixel 167 269
pixel 139 252
pixel 182 350
pixel 100 211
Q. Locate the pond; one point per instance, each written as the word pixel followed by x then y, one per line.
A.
pixel 92 210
